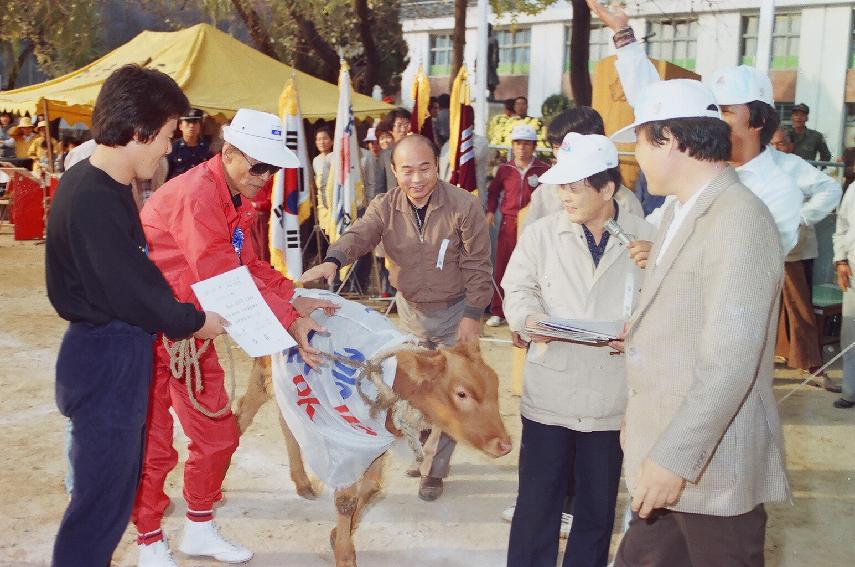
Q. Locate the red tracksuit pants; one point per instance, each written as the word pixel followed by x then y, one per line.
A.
pixel 505 243
pixel 212 441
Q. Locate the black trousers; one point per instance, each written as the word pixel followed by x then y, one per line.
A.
pixel 549 455
pixel 680 539
pixel 103 375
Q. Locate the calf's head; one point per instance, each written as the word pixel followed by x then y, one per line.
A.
pixel 457 391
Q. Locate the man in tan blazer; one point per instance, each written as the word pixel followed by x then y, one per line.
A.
pixel 703 444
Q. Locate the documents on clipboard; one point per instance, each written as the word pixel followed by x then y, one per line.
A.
pixel 577 330
pixel 252 324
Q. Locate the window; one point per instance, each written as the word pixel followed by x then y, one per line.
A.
pixel 514 51
pixel 673 40
pixel 599 46
pixel 852 44
pixel 785 40
pixel 440 55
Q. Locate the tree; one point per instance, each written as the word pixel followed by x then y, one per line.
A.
pixel 580 40
pixel 458 40
pixel 59 35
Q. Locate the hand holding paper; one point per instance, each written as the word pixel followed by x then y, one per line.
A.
pixel 252 324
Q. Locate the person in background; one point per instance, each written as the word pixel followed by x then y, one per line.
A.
pixel 566 265
pixel 24 135
pixel 38 149
pixel 100 279
pixel 808 143
pixel 322 162
pixel 848 161
pixel 844 258
pixel 441 127
pixel 513 185
pixel 384 135
pixel 521 107
pixel 798 335
pixel 371 165
pixel 7 142
pixel 191 148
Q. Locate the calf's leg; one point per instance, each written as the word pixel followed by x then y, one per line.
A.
pixel 341 536
pixel 301 480
pixel 369 486
pixel 255 394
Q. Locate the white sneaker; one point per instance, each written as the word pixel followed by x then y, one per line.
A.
pixel 203 538
pixel 566 523
pixel 156 554
pixel 508 514
pixel 495 321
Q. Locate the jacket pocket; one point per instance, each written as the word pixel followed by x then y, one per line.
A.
pixel 549 355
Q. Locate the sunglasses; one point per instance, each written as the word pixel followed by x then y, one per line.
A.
pixel 259 168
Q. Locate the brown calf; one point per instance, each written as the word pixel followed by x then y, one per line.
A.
pixel 452 387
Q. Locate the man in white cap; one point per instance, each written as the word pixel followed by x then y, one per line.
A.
pixel 745 98
pixel 566 265
pixel 703 448
pixel 372 165
pixel 513 185
pixel 197 226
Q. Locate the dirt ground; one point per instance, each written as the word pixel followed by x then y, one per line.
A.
pixel 263 512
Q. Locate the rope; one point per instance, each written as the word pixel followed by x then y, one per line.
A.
pixel 184 359
pixel 816 374
pixel 407 419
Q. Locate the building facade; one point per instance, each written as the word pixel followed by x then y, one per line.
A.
pixel 813 61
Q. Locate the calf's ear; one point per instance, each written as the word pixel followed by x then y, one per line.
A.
pixel 422 364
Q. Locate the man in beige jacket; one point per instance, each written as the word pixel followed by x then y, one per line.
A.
pixel 703 449
pixel 436 240
pixel 567 266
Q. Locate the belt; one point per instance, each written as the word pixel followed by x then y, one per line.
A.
pixel 433 305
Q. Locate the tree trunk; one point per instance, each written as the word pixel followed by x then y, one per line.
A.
pixel 580 39
pixel 312 40
pixel 262 39
pixel 19 64
pixel 372 57
pixel 458 40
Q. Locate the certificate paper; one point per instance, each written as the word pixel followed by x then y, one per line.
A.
pixel 252 324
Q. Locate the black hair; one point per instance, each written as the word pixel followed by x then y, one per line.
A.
pixel 398 113
pixel 702 138
pixel 600 179
pixel 135 101
pixel 581 119
pixel 417 138
pixel 432 100
pixel 516 98
pixel 509 104
pixel 765 117
pixel 324 128
pixel 444 100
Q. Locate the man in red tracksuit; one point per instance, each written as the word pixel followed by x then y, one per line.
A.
pixel 514 181
pixel 197 226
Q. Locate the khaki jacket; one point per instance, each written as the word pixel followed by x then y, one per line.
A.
pixel 551 272
pixel 700 355
pixel 428 273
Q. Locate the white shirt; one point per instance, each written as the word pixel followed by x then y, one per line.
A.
pixel 761 175
pixel 681 211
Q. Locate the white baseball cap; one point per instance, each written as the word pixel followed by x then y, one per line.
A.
pixel 664 100
pixel 260 136
pixel 740 85
pixel 371 135
pixel 523 132
pixel 581 157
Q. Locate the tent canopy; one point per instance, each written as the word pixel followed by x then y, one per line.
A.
pixel 218 73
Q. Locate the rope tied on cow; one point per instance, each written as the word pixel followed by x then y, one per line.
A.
pixel 184 357
pixel 407 419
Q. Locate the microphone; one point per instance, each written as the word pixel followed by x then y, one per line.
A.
pixel 613 228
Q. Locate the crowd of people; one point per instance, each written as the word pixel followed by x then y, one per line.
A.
pixel 710 284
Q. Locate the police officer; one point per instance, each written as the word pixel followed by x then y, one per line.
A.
pixel 191 149
pixel 808 142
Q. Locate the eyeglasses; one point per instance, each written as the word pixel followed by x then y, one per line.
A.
pixel 259 168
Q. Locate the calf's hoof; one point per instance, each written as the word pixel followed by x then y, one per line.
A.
pixel 306 490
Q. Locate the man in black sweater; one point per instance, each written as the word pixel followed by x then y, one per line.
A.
pixel 100 279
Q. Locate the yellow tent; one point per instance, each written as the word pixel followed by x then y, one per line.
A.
pixel 218 73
